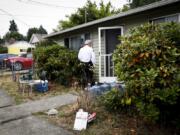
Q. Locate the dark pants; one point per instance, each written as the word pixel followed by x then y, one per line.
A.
pixel 87 72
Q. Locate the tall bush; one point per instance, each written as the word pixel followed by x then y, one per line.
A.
pixel 60 63
pixel 148 61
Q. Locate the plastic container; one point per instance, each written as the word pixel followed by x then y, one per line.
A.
pixel 41 86
pixel 113 85
pixel 95 90
pixel 119 86
pixel 105 87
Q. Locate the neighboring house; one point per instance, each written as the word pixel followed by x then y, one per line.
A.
pixel 19 47
pixel 105 32
pixel 36 38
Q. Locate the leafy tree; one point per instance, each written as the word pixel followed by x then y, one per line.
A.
pixel 13 27
pixel 1 40
pixel 125 7
pixel 11 37
pixel 42 30
pixel 31 31
pixel 138 3
pixel 105 10
pixel 34 30
pixel 87 13
pixel 13 34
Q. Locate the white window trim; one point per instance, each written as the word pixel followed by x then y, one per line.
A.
pixel 107 79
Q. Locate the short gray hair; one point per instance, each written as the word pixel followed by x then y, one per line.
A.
pixel 88 42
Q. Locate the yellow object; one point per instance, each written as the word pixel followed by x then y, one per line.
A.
pixel 128 101
pixel 19 47
pixel 13 50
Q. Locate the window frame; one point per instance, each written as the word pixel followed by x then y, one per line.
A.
pixel 81 36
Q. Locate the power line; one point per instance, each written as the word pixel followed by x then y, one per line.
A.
pixel 9 14
pixel 25 15
pixel 45 4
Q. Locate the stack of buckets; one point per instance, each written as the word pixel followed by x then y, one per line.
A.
pixel 97 90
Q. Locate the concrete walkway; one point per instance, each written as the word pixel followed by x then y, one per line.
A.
pixel 17 119
pixel 26 109
pixel 31 126
pixel 5 99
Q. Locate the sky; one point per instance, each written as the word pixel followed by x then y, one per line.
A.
pixel 33 13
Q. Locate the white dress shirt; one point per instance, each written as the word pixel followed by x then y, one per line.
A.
pixel 86 54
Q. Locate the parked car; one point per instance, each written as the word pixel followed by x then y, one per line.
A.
pixel 23 61
pixel 3 57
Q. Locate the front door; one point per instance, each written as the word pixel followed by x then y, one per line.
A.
pixel 108 40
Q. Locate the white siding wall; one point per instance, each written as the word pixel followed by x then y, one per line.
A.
pixel 94 38
pixel 103 50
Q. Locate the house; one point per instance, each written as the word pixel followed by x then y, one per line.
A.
pixel 36 38
pixel 19 47
pixel 105 32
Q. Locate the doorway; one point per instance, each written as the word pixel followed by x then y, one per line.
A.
pixel 108 41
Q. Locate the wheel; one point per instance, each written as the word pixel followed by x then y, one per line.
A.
pixel 18 66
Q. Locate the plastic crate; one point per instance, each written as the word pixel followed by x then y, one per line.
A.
pixel 42 86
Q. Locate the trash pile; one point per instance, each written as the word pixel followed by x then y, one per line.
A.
pixel 99 89
pixel 82 119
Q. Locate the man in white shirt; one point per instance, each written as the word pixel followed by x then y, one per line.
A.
pixel 87 58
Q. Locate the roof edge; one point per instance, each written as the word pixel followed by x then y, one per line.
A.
pixel 123 14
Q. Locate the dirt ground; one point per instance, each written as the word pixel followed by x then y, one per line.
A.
pixel 12 89
pixel 106 123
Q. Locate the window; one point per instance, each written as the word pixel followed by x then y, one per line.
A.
pixel 66 42
pixel 76 42
pixel 170 18
pixel 173 18
pixel 87 36
pixel 23 50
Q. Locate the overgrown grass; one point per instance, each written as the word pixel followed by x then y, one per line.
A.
pixel 12 89
pixel 106 123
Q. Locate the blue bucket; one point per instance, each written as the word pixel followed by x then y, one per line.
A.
pixel 42 86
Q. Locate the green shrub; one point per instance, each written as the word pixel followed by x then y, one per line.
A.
pixel 116 100
pixel 3 49
pixel 45 43
pixel 148 60
pixel 60 63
